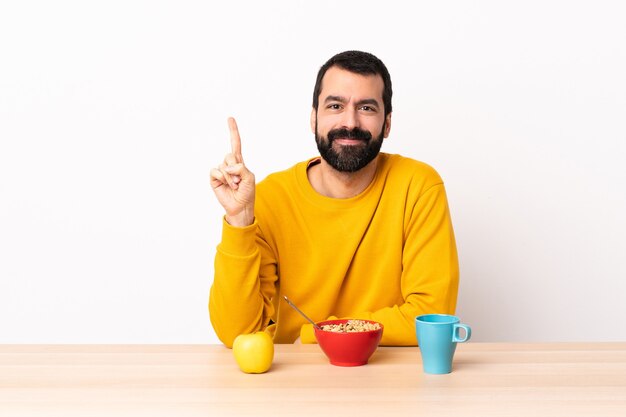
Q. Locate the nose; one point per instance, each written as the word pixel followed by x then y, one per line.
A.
pixel 350 118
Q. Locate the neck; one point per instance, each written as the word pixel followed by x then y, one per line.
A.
pixel 329 182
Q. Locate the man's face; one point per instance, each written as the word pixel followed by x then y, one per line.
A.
pixel 350 122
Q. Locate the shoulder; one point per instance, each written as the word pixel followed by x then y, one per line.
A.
pixel 401 168
pixel 287 181
pixel 282 178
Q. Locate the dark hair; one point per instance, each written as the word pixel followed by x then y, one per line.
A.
pixel 358 62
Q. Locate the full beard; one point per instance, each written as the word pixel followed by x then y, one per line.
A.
pixel 349 158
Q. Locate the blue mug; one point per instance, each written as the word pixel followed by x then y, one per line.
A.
pixel 437 336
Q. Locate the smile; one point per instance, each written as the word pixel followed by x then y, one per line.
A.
pixel 346 141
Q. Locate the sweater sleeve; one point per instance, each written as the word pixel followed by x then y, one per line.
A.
pixel 243 284
pixel 430 272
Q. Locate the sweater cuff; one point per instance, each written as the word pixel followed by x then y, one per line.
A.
pixel 307 335
pixel 239 241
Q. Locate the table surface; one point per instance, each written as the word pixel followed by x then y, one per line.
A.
pixel 488 379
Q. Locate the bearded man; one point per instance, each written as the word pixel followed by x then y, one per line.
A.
pixel 352 233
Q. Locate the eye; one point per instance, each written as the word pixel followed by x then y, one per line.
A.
pixel 368 108
pixel 334 106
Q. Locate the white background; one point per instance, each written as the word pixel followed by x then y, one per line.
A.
pixel 112 114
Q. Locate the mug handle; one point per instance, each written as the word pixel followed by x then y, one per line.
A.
pixel 455 334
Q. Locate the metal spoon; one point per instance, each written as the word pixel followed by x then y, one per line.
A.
pixel 301 313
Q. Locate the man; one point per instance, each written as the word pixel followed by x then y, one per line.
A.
pixel 354 233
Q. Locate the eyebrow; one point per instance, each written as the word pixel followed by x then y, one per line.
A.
pixel 341 99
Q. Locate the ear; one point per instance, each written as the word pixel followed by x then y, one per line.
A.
pixel 313 119
pixel 387 125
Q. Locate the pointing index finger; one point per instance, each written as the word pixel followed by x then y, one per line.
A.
pixel 235 140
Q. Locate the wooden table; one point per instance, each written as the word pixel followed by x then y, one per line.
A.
pixel 529 380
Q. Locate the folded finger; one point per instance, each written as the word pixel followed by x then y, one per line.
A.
pixel 217 178
pixel 227 175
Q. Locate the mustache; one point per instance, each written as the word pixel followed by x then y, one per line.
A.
pixel 354 133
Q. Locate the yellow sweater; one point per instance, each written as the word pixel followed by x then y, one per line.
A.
pixel 387 254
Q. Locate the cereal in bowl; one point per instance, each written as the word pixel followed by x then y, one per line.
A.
pixel 351 326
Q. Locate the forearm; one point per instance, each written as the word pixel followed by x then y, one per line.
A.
pixel 237 302
pixel 398 321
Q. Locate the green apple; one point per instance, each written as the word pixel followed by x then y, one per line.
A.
pixel 254 352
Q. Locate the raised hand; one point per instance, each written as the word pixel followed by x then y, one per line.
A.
pixel 233 184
